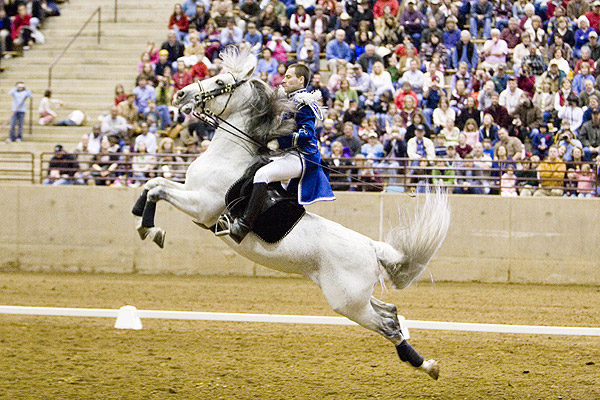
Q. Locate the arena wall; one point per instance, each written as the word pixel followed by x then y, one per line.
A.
pixel 491 239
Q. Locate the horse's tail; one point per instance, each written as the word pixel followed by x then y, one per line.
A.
pixel 411 245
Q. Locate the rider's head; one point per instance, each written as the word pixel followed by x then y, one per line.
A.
pixel 296 77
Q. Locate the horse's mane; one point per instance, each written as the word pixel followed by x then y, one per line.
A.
pixel 265 109
pixel 265 106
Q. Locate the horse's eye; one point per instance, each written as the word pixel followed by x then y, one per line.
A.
pixel 220 82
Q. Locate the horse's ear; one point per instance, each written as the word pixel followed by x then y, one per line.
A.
pixel 250 67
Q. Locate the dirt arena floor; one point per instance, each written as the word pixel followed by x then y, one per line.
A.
pixel 86 358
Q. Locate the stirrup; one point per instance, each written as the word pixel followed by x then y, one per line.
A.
pixel 223 225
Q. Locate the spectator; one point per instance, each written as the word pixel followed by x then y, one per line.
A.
pixel 147 137
pixel 564 31
pixel 142 165
pixel 20 94
pixel 512 34
pixel 63 169
pixel 452 34
pixel 46 112
pixel 174 47
pixel 345 94
pixel 466 51
pixel 369 58
pixel 319 23
pixel 570 112
pixel 22 27
pixel 231 34
pixel 201 17
pixel 488 130
pixel 267 63
pixel 508 182
pixel 339 168
pixel 469 178
pixel 521 51
pixel 179 22
pixel 534 61
pixel 352 144
pixel 338 51
pixel 511 97
pixel 279 47
pixel 442 114
pixel 579 79
pixel 588 91
pixel 299 22
pixel 544 100
pixel 388 28
pixel 254 38
pixel 481 17
pixel 511 144
pixel 541 140
pixel 529 116
pixel 113 124
pixel 469 112
pixel 577 8
pixel 494 51
pixel 471 132
pixel 120 94
pixel 412 21
pixel 551 173
pixel 415 77
pixel 381 4
pixel 590 136
pixel 420 147
pixel 143 93
pixel 484 97
pixel 585 182
pixel 104 164
pixel 381 80
pixel 373 148
pixel 582 35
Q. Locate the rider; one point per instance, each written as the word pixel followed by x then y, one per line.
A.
pixel 301 163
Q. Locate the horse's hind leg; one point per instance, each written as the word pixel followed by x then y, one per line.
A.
pixel 405 351
pixel 351 297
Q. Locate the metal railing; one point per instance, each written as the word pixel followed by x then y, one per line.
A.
pixel 354 174
pixel 64 50
pixel 16 166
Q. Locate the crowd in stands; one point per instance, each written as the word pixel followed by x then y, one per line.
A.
pixel 19 23
pixel 482 96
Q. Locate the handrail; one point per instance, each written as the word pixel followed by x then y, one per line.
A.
pixel 31 116
pixel 17 166
pixel 62 53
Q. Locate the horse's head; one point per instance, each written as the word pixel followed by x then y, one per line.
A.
pixel 235 91
pixel 215 96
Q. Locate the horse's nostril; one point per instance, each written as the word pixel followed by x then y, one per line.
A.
pixel 180 94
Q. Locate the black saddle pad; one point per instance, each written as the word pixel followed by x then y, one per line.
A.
pixel 280 212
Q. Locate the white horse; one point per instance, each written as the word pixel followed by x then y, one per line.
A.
pixel 343 263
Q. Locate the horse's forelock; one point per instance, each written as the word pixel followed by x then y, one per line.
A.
pixel 240 63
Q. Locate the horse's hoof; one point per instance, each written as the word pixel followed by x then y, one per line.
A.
pixel 159 238
pixel 432 368
pixel 143 232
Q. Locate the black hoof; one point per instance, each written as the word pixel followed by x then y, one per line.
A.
pixel 159 238
pixel 143 232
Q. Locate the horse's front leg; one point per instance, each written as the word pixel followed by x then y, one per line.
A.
pixel 195 203
pixel 145 209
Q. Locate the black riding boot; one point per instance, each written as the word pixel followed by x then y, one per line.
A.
pixel 241 226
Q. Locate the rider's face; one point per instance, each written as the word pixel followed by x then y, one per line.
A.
pixel 291 82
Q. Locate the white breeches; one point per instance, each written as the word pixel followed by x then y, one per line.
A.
pixel 280 169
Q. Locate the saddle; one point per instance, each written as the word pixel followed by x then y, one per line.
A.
pixel 279 214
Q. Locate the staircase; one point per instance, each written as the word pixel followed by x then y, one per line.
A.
pixel 86 75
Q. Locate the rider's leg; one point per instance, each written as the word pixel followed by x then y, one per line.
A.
pixel 281 168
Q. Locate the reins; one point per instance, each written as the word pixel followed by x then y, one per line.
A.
pixel 215 121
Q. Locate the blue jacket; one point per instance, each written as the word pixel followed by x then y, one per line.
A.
pixel 313 185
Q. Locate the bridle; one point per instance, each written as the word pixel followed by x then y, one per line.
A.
pixel 202 97
pixel 202 113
